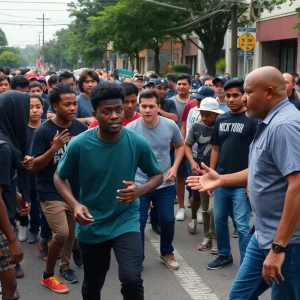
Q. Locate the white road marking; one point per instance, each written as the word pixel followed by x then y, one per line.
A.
pixel 187 277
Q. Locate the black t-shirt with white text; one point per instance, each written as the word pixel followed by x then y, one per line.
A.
pixel 42 141
pixel 233 133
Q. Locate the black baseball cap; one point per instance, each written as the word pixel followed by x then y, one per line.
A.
pixel 161 82
pixel 204 92
pixel 220 78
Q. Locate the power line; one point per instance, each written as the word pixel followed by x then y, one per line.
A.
pixel 32 2
pixel 26 9
pixel 19 24
pixel 23 17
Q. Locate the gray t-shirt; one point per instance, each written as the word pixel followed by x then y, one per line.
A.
pixel 274 154
pixel 201 134
pixel 159 138
pixel 179 106
pixel 85 108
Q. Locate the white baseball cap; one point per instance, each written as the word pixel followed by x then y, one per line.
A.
pixel 210 104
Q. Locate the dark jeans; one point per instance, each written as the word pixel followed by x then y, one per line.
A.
pixel 96 262
pixel 164 201
pixel 46 232
pixel 249 283
pixel 34 214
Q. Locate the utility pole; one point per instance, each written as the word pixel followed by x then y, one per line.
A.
pixel 234 39
pixel 39 34
pixel 43 50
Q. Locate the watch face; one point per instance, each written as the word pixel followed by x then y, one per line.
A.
pixel 276 247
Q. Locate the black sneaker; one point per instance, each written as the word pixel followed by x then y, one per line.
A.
pixel 68 275
pixel 235 234
pixel 77 257
pixel 156 228
pixel 220 262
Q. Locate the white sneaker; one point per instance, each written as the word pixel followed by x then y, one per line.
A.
pixel 23 233
pixel 180 216
pixel 32 238
pixel 199 216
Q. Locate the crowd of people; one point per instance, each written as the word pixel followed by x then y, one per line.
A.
pixel 85 162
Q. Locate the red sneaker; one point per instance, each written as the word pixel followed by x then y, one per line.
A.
pixel 55 285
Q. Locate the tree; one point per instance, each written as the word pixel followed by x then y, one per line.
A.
pixel 134 26
pixel 10 59
pixel 297 26
pixel 3 40
pixel 210 20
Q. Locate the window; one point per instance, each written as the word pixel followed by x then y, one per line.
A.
pixel 288 58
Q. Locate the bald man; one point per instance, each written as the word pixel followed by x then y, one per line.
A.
pixel 273 176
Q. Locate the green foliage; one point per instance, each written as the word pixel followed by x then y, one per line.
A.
pixel 174 73
pixel 10 59
pixel 221 64
pixel 297 26
pixel 181 68
pixel 3 40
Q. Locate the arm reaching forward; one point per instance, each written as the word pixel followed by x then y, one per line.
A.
pixel 211 179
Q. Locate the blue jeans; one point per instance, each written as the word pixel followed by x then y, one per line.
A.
pixel 249 278
pixel 163 199
pixel 224 200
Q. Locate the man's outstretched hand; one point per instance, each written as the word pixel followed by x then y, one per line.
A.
pixel 209 181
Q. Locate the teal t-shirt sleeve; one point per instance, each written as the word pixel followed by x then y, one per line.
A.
pixel 68 162
pixel 147 161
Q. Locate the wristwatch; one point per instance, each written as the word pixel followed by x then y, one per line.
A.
pixel 277 248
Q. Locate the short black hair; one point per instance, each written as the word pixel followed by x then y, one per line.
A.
pixel 54 95
pixel 1 69
pixel 171 77
pixel 19 81
pixel 296 74
pixel 35 96
pixel 130 88
pixel 153 76
pixel 83 77
pixel 23 71
pixel 183 76
pixel 197 74
pixel 148 95
pixel 53 79
pixel 106 91
pixel 7 71
pixel 35 84
pixel 3 77
pixel 66 75
pixel 235 83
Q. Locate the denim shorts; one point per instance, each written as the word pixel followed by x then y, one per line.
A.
pixel 5 264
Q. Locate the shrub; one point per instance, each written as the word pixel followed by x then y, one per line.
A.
pixel 181 68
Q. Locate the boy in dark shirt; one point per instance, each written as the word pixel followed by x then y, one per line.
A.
pixel 200 133
pixel 49 144
pixel 232 136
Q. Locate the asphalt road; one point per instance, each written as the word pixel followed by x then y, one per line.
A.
pixel 192 281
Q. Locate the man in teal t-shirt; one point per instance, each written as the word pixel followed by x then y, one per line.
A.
pixel 107 158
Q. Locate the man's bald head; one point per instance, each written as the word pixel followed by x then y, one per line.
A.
pixel 264 88
pixel 267 77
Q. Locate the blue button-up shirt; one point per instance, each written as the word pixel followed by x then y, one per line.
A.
pixel 274 154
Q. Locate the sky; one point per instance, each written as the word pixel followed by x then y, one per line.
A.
pixel 18 19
